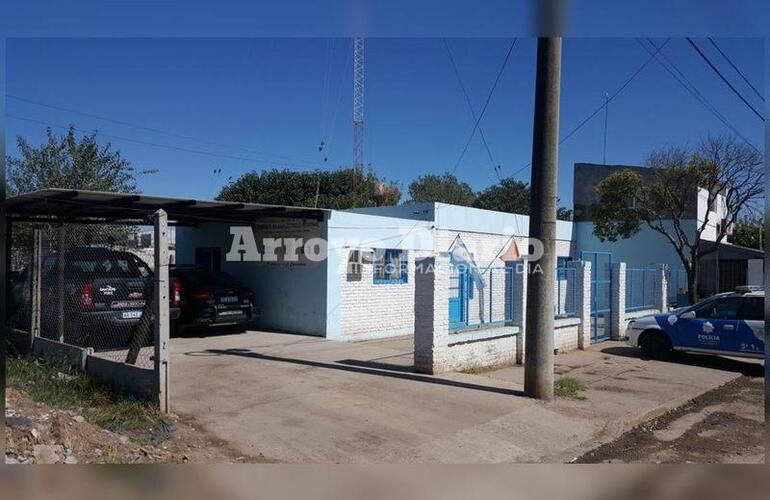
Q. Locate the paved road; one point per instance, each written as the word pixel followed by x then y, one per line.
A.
pixel 303 399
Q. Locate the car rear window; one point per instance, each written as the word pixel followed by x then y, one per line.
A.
pixel 754 308
pixel 108 266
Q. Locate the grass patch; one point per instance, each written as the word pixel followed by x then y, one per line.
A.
pixel 568 387
pixel 61 387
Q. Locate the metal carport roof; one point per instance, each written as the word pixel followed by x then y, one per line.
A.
pixel 83 206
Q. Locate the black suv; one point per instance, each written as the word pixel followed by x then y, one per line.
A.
pixel 104 293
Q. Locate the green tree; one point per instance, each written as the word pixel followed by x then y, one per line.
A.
pixel 66 162
pixel 338 189
pixel 444 188
pixel 512 196
pixel 665 200
pixel 70 163
pixel 747 233
pixel 508 196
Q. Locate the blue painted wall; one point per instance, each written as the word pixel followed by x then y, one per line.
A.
pixel 644 249
pixel 290 299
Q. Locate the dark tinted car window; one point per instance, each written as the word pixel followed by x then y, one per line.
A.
pixel 726 308
pixel 753 308
pixel 203 278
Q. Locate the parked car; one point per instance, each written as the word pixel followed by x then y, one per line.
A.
pixel 730 323
pixel 104 293
pixel 212 298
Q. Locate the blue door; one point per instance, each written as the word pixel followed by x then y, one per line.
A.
pixel 458 280
pixel 601 293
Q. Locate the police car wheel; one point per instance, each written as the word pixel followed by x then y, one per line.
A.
pixel 656 345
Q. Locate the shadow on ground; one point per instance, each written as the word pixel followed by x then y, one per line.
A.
pixel 368 368
pixel 748 368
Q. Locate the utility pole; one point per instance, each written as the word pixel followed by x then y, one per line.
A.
pixel 538 365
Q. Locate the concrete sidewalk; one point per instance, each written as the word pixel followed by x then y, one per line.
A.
pixel 303 399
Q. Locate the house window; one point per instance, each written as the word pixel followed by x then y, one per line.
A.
pixel 390 266
pixel 355 265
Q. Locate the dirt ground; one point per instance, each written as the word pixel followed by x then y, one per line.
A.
pixel 725 425
pixel 37 433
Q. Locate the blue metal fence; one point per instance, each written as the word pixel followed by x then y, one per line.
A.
pixel 640 288
pixel 677 287
pixel 481 298
pixel 565 289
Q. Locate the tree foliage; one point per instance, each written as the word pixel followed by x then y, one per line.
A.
pixel 66 162
pixel 70 163
pixel 338 189
pixel 747 233
pixel 444 188
pixel 512 196
pixel 508 196
pixel 729 171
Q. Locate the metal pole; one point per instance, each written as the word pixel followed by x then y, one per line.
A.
pixel 60 279
pixel 538 368
pixel 161 309
pixel 36 274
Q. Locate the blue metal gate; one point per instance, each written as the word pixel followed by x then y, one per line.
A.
pixel 458 307
pixel 601 293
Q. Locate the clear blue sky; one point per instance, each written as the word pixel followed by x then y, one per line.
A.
pixel 279 97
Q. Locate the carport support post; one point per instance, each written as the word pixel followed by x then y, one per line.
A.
pixel 60 278
pixel 618 314
pixel 162 321
pixel 36 286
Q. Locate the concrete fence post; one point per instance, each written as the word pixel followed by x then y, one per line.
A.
pixel 583 301
pixel 431 313
pixel 618 315
pixel 661 288
pixel 519 298
pixel 162 320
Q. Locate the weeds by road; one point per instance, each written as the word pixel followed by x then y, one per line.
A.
pixel 55 415
pixel 568 387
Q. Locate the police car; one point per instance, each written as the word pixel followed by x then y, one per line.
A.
pixel 730 323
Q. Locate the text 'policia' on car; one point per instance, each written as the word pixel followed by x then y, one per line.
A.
pixel 731 323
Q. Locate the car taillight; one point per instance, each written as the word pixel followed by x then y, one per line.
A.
pixel 203 295
pixel 87 297
pixel 176 294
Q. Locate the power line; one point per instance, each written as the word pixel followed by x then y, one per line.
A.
pixel 719 73
pixel 693 90
pixel 156 130
pixel 160 145
pixel 736 68
pixel 486 103
pixel 470 106
pixel 607 101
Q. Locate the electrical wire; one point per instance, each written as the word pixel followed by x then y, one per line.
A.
pixel 736 69
pixel 722 77
pixel 486 104
pixel 693 90
pixel 470 107
pixel 160 145
pixel 155 130
pixel 606 102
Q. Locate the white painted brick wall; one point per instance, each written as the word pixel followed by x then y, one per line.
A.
pixel 370 310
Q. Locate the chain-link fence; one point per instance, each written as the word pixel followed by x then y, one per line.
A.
pixel 86 288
